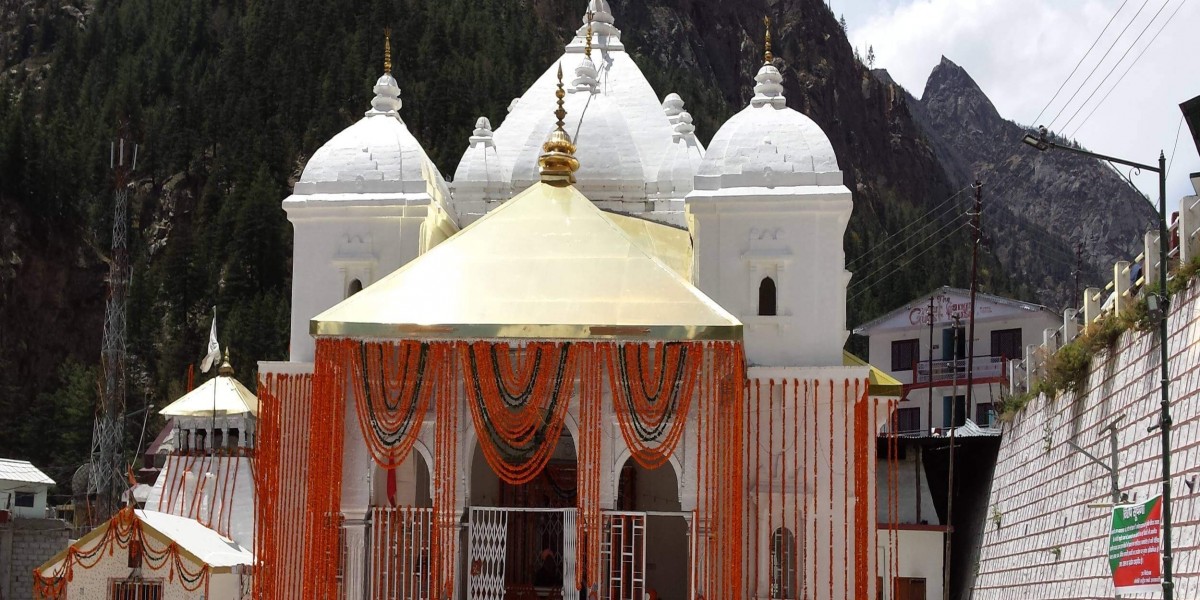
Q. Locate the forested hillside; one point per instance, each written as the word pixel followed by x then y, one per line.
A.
pixel 228 99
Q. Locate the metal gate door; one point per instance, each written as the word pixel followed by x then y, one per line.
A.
pixel 623 556
pixel 487 547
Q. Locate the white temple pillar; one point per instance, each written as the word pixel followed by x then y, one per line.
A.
pixel 355 574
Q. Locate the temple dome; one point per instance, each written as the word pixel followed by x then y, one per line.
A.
pixel 769 145
pixel 632 105
pixel 376 155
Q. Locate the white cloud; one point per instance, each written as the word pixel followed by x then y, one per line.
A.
pixel 1020 51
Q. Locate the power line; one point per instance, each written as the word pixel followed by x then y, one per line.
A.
pixel 895 258
pixel 924 219
pixel 1097 66
pixel 1176 145
pixel 876 282
pixel 1129 68
pixel 1118 63
pixel 1081 59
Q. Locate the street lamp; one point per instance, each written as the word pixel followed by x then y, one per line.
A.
pixel 1159 301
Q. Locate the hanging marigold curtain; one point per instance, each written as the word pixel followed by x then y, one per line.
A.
pixel 391 396
pixel 652 389
pixel 281 497
pixel 518 399
pixel 326 440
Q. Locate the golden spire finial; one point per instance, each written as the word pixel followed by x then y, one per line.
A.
pixel 387 50
pixel 557 164
pixel 587 48
pixel 226 370
pixel 767 56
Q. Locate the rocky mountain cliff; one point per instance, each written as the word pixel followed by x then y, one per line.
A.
pixel 1040 208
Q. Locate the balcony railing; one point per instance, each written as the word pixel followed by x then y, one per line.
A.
pixel 944 371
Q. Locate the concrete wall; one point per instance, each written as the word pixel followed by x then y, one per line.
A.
pixel 1049 544
pixel 25 544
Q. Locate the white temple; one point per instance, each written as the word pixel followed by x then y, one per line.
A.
pixel 655 241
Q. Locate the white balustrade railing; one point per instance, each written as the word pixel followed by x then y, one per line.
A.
pixel 1129 283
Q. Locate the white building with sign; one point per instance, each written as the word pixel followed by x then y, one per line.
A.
pixel 931 359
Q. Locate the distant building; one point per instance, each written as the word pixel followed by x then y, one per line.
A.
pixel 195 536
pixel 900 343
pixel 148 555
pixel 23 489
pixel 27 537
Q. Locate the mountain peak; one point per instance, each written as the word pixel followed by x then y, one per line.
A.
pixel 951 85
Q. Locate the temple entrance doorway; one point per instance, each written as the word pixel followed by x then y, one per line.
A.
pixel 655 494
pixel 399 534
pixel 520 539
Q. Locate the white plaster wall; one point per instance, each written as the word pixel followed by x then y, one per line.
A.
pixel 911 489
pixel 235 475
pixel 8 501
pixel 353 237
pixel 792 235
pixel 918 554
pixel 1041 488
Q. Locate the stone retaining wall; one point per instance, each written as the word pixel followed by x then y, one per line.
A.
pixel 1048 543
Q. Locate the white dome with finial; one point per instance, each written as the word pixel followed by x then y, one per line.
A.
pixel 376 155
pixel 478 180
pixel 678 172
pixel 625 136
pixel 768 145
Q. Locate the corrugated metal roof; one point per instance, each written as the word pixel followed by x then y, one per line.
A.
pixel 23 471
pixel 209 546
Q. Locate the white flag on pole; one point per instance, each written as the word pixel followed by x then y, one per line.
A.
pixel 214 349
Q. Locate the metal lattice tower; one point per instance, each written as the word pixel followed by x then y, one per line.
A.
pixel 107 481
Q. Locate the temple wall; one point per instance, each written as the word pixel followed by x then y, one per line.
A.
pixel 1041 538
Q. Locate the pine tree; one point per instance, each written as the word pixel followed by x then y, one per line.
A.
pixel 842 22
pixel 871 57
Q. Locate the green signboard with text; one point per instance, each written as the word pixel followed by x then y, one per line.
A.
pixel 1135 547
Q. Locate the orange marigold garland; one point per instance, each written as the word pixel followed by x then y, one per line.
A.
pixel 391 396
pixel 326 437
pixel 280 484
pixel 444 543
pixel 123 530
pixel 652 392
pixel 589 523
pixel 518 413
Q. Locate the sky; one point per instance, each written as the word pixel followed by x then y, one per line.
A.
pixel 1021 51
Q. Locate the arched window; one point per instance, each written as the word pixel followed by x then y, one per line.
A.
pixel 784 563
pixel 355 287
pixel 766 298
